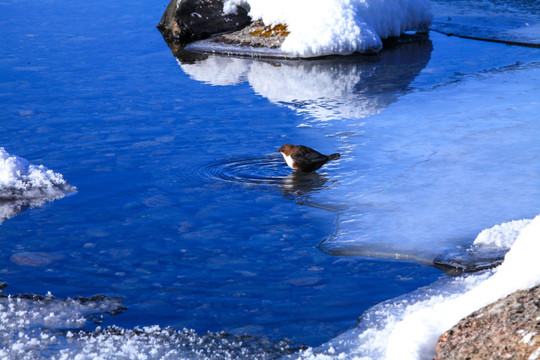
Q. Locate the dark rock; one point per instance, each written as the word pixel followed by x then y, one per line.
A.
pixel 472 260
pixel 185 21
pixel 506 329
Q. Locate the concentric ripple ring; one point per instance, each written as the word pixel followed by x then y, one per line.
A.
pixel 261 170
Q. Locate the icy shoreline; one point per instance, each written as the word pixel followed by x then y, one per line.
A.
pixel 409 327
pixel 385 332
pixel 403 328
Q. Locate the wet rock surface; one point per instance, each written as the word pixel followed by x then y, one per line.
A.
pixel 189 20
pixel 506 329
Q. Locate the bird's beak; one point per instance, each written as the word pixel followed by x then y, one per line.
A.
pixel 277 151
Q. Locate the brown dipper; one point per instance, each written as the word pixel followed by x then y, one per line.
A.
pixel 304 159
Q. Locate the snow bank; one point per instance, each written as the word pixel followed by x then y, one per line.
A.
pixel 501 236
pixel 408 328
pixel 320 28
pixel 415 335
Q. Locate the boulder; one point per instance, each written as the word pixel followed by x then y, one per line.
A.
pixel 185 21
pixel 506 329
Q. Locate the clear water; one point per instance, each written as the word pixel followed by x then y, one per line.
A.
pixel 183 209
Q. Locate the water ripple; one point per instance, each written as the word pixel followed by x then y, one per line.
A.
pixel 261 170
pixel 266 171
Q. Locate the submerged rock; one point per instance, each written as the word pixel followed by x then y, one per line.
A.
pixel 506 329
pixel 185 21
pixel 28 258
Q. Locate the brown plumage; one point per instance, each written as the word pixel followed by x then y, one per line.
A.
pixel 304 159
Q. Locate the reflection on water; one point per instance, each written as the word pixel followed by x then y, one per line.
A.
pixel 303 183
pixel 324 89
pixel 9 209
pixel 400 182
pixel 15 205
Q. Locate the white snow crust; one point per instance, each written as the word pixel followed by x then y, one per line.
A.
pixel 325 27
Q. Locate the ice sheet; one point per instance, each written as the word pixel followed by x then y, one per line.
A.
pixel 430 180
pixel 514 22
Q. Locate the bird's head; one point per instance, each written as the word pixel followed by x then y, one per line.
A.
pixel 285 149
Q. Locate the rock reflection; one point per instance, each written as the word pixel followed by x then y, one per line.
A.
pixel 325 89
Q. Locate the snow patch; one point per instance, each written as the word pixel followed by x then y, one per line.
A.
pixel 342 27
pixel 503 235
pixel 24 185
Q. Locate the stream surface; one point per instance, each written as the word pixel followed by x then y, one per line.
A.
pixel 185 214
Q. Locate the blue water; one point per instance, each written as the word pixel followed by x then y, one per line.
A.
pixel 183 209
pixel 168 214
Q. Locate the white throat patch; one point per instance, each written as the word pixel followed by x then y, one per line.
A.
pixel 289 160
